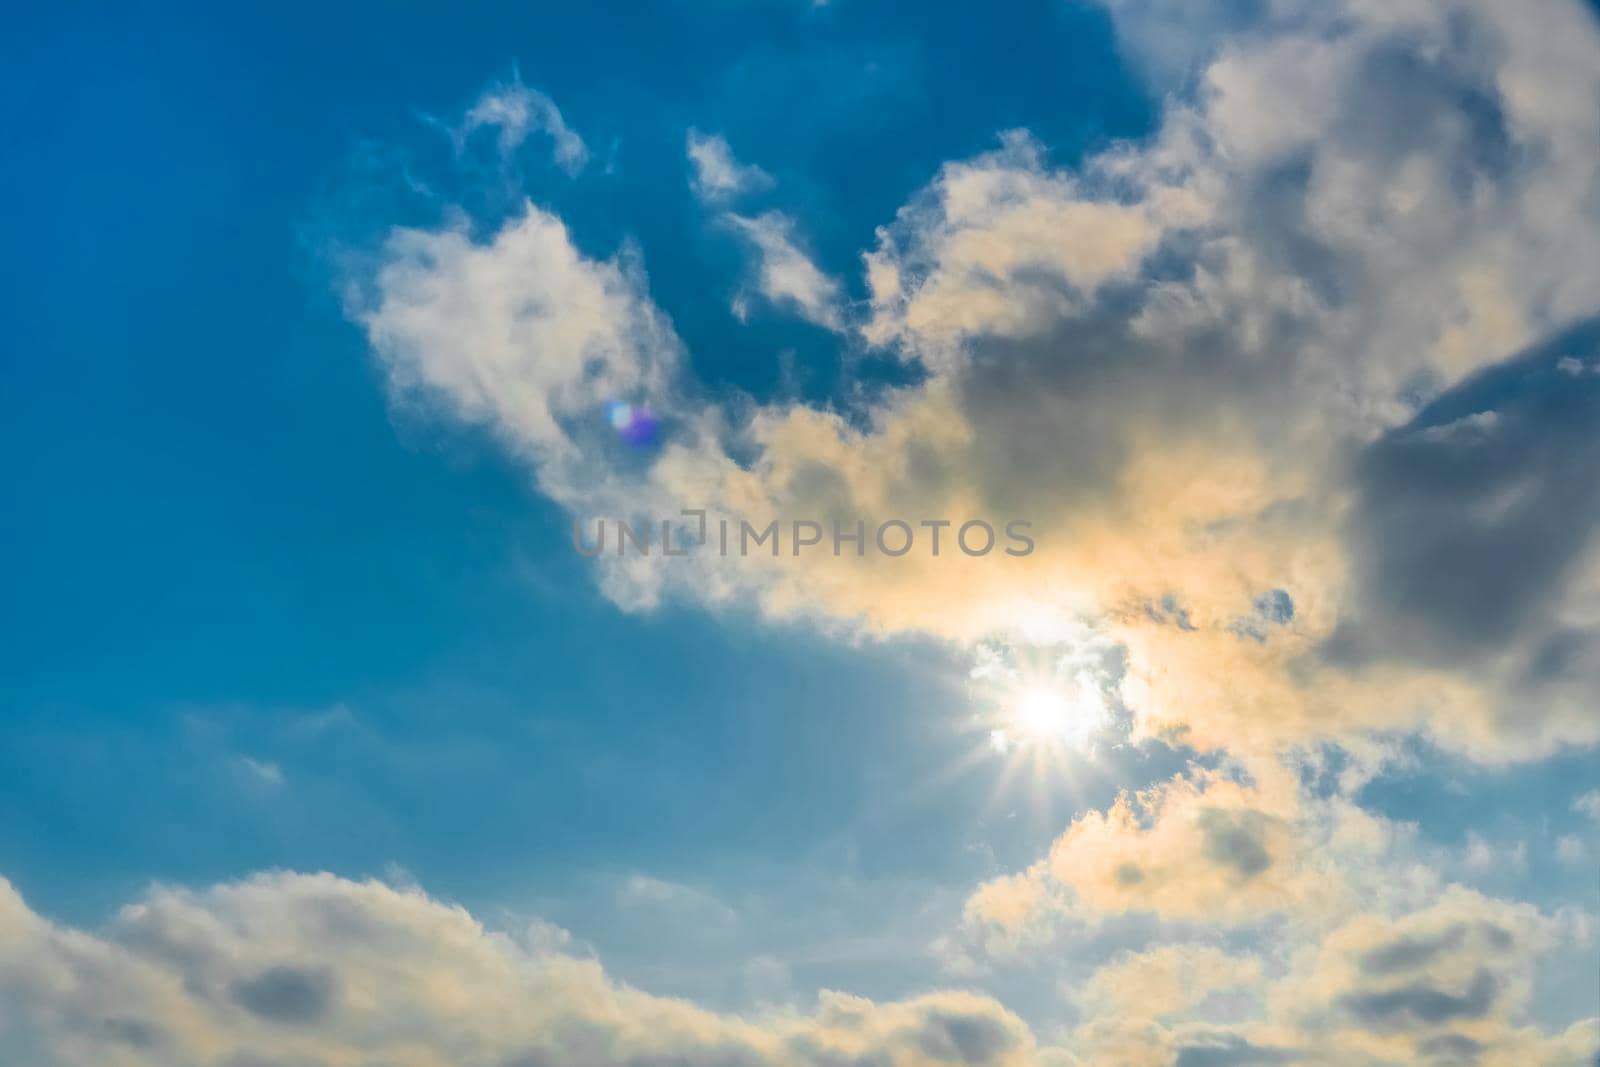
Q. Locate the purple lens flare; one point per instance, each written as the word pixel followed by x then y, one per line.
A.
pixel 634 423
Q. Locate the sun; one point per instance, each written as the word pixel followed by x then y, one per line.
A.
pixel 1044 715
pixel 1041 711
pixel 1044 710
pixel 1057 711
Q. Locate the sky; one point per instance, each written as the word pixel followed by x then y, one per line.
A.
pixel 333 332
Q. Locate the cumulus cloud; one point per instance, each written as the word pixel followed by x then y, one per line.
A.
pixel 1475 542
pixel 1343 947
pixel 1202 848
pixel 1139 1008
pixel 1165 981
pixel 1212 367
pixel 317 971
pixel 1440 984
pixel 524 335
pixel 1001 246
pixel 1286 389
pixel 1446 983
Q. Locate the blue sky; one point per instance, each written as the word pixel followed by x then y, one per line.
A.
pixel 1240 304
pixel 245 530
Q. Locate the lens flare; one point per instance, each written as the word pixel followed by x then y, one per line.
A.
pixel 634 423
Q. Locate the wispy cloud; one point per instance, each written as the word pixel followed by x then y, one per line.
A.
pixel 784 275
pixel 515 112
pixel 259 772
pixel 1588 804
pixel 718 176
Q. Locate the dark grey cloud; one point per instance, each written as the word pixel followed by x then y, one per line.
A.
pixel 1060 410
pixel 1414 952
pixel 263 1059
pixel 285 994
pixel 1421 1003
pixel 1451 1048
pixel 966 1038
pixel 1410 953
pixel 1473 515
pixel 137 1033
pixel 1057 416
pixel 1232 1051
pixel 1236 840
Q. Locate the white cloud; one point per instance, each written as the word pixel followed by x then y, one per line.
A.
pixel 1588 804
pixel 1166 981
pixel 523 334
pixel 674 899
pixel 717 174
pixel 1201 849
pixel 1003 246
pixel 517 111
pixel 1445 983
pixel 1171 356
pixel 317 971
pixel 785 275
pixel 1479 855
pixel 259 772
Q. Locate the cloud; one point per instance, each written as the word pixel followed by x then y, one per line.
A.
pixel 1170 980
pixel 1000 246
pixel 525 335
pixel 1474 541
pixel 516 111
pixel 287 994
pixel 1570 849
pixel 316 971
pixel 674 900
pixel 785 275
pixel 1588 804
pixel 1427 985
pixel 1199 848
pixel 1141 1009
pixel 1230 1050
pixel 1444 983
pixel 1251 360
pixel 256 772
pixel 717 175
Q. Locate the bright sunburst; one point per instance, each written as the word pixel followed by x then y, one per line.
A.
pixel 1043 712
pixel 1053 711
pixel 1041 700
